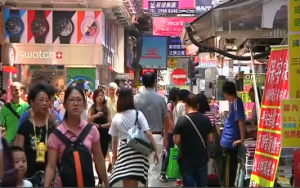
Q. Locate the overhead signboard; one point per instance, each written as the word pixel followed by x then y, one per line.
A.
pixel 182 4
pixel 170 26
pixel 175 47
pixel 163 7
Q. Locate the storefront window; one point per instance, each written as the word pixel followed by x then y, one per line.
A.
pixel 52 74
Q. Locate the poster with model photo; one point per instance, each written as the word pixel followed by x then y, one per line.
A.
pixel 15 21
pixel 89 23
pixel 39 26
pixel 64 27
pixel 86 76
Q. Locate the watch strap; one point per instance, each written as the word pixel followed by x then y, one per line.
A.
pixel 40 14
pixel 40 39
pixel 14 12
pixel 64 39
pixel 14 39
pixel 89 14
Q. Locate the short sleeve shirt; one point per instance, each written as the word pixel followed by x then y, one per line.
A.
pixel 122 122
pixel 57 144
pixel 154 108
pixel 10 121
pixel 231 130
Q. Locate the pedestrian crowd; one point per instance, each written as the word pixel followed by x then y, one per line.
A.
pixel 58 138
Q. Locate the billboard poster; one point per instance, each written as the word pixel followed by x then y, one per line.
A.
pixel 152 52
pixel 15 25
pixel 39 26
pixel 163 7
pixel 182 4
pixel 170 26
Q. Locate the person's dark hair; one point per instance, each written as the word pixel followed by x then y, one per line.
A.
pixel 125 100
pixel 203 105
pixel 259 95
pixel 182 95
pixel 68 93
pixel 148 79
pixel 191 101
pixel 3 92
pixel 103 87
pixel 16 149
pixel 173 94
pixel 52 90
pixel 36 89
pixel 229 88
pixel 95 95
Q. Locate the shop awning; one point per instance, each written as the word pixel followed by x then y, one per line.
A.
pixel 243 19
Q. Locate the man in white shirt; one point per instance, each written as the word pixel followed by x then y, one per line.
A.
pixel 179 109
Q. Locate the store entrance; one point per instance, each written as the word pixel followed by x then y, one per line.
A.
pixel 52 74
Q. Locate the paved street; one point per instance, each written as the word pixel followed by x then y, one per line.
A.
pixel 119 184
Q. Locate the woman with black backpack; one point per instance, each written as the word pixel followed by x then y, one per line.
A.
pixel 71 147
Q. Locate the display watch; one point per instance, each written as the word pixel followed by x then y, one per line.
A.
pixel 40 27
pixel 14 26
pixel 65 29
pixel 89 28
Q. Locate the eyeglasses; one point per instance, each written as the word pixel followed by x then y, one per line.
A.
pixel 79 101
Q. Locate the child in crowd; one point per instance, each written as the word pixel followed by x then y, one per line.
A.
pixel 20 162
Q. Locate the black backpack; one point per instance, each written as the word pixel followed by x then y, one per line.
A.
pixel 76 166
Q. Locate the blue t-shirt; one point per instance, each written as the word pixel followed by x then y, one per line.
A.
pixel 24 117
pixel 231 130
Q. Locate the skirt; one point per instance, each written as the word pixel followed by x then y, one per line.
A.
pixel 130 164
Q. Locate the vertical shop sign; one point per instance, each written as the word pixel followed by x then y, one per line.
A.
pixel 152 52
pixel 163 7
pixel 290 121
pixel 268 144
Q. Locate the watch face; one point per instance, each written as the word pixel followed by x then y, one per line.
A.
pixel 39 26
pixel 64 27
pixel 14 26
pixel 89 27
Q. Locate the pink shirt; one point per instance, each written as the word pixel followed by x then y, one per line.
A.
pixel 56 144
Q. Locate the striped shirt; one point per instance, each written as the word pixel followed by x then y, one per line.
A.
pixel 212 117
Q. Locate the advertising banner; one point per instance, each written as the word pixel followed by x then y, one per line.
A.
pixel 203 6
pixel 268 145
pixel 152 52
pixel 294 65
pixel 248 84
pixel 175 47
pixel 290 121
pixel 52 27
pixel 182 4
pixel 163 7
pixel 170 26
pixel 87 77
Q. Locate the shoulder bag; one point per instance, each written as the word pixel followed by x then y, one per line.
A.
pixel 138 140
pixel 215 150
pixel 8 105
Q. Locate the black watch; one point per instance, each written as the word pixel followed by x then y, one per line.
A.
pixel 40 27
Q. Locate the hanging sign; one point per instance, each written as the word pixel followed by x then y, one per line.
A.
pixel 179 76
pixel 163 7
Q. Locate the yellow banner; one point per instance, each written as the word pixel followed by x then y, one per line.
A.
pixel 294 16
pixel 172 62
pixel 294 65
pixel 290 123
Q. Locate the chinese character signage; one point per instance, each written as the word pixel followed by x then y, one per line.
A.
pixel 163 7
pixel 269 143
pixel 170 26
pixel 175 47
pixel 182 4
pixel 277 86
pixel 290 123
pixel 172 63
pixel 152 52
pixel 294 47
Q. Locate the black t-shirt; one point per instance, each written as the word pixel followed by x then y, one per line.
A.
pixel 26 129
pixel 192 153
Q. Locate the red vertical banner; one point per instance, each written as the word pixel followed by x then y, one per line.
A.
pixel 268 145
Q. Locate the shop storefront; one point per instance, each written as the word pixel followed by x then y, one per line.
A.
pixel 60 65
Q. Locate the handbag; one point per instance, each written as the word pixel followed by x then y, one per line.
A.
pixel 173 171
pixel 215 150
pixel 138 140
